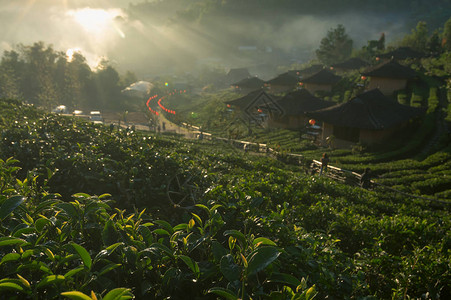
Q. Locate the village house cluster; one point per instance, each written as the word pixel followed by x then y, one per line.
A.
pixel 371 116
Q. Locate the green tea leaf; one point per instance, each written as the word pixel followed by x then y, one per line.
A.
pixel 263 241
pixel 8 241
pixel 81 195
pixel 118 294
pixel 9 205
pixel 218 250
pixel 72 272
pixel 229 268
pixel 284 278
pixel 108 268
pixel 11 286
pixel 10 257
pixel 162 248
pixel 84 255
pixel 45 205
pixel 109 233
pixel 191 264
pixel 76 295
pixel 50 279
pixel 238 235
pixel 39 224
pixel 165 225
pixel 160 231
pixel 69 209
pixel 261 258
pixel 227 294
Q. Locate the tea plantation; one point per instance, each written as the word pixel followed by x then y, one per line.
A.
pixel 92 212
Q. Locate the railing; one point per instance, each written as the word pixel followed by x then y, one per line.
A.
pixel 339 174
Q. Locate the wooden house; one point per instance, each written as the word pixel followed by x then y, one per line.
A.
pixel 368 118
pixel 294 105
pixel 248 85
pixel 309 71
pixel 320 81
pixel 352 64
pixel 282 83
pixel 251 100
pixel 388 77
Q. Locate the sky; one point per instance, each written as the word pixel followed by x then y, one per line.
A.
pixel 90 26
pixel 102 29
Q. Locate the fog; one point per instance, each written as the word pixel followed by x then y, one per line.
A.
pixel 150 46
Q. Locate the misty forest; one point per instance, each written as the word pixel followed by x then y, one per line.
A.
pixel 225 149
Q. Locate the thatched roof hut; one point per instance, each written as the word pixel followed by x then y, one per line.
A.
pixel 282 83
pixel 388 76
pixel 248 84
pixel 320 81
pixel 293 106
pixel 351 64
pixel 367 118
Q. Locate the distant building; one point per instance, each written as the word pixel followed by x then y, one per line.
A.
pixel 352 64
pixel 368 119
pixel 388 77
pixel 138 89
pixel 249 100
pixel 282 83
pixel 294 106
pixel 248 84
pixel 323 80
pixel 308 71
pixel 235 75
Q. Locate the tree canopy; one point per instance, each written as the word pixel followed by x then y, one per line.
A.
pixel 335 47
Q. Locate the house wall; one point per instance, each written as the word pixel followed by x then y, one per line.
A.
pixel 387 85
pixel 313 87
pixel 367 137
pixel 328 130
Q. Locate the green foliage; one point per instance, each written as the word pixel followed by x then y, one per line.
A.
pixel 256 229
pixel 46 78
pixel 335 47
pixel 418 38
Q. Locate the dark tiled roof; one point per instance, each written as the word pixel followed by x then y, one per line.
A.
pixel 371 110
pixel 310 70
pixel 251 83
pixel 390 69
pixel 284 79
pixel 402 53
pixel 322 77
pixel 301 101
pixel 239 72
pixel 249 99
pixel 354 63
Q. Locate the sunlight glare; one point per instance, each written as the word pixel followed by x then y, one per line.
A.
pixel 96 21
pixel 70 53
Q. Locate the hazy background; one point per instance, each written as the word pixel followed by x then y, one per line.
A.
pixel 169 36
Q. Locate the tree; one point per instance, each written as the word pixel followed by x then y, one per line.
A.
pixel 108 88
pixel 38 84
pixel 335 47
pixel 434 45
pixel 446 41
pixel 128 79
pixel 418 39
pixel 10 75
